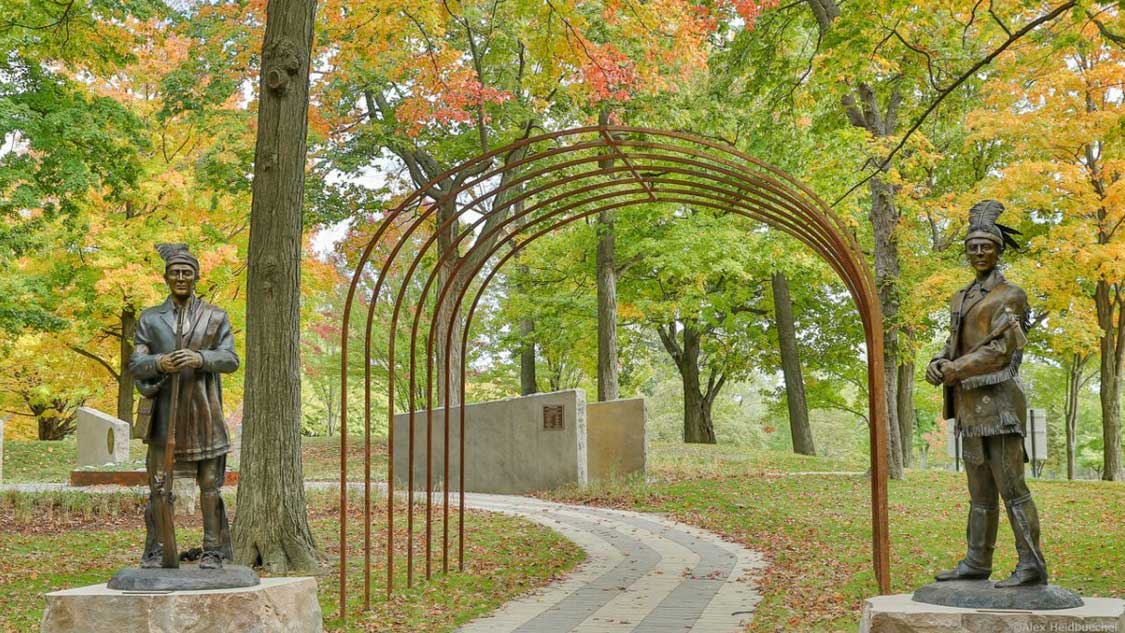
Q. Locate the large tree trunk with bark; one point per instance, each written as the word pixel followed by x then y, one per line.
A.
pixel 905 401
pixel 271 527
pixel 607 309
pixel 699 427
pixel 864 111
pixel 125 381
pixel 1110 316
pixel 884 219
pixel 791 367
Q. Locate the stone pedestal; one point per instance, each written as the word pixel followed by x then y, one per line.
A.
pixel 182 578
pixel 984 594
pixel 277 605
pixel 901 614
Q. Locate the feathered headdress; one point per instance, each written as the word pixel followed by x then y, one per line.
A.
pixel 177 254
pixel 983 224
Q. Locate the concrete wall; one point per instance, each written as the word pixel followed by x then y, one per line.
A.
pixel 507 448
pixel 615 433
pixel 102 438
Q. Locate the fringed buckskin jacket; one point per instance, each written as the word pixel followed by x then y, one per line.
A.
pixel 985 353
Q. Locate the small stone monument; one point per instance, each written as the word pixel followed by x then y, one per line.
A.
pixel 102 438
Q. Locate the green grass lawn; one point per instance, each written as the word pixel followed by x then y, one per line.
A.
pixel 51 541
pixel 322 458
pixel 27 461
pixel 50 462
pixel 815 529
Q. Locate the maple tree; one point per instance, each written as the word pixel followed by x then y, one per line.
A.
pixel 42 385
pixel 129 123
pixel 433 84
pixel 124 168
pixel 1060 115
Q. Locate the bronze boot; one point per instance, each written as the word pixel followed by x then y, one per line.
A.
pixel 1031 568
pixel 980 536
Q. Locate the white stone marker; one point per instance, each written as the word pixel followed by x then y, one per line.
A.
pixel 102 438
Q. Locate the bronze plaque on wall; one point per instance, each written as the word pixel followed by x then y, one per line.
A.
pixel 553 418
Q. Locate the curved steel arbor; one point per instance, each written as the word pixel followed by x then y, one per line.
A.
pixel 542 184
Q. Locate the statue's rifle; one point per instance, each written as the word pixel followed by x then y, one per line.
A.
pixel 165 503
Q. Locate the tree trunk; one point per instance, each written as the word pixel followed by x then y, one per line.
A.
pixel 271 527
pixel 554 375
pixel 53 427
pixel 863 111
pixel 698 426
pixel 446 324
pixel 884 219
pixel 125 377
pixel 906 412
pixel 1073 389
pixel 528 382
pixel 791 368
pixel 56 419
pixel 825 12
pixel 607 309
pixel 1111 355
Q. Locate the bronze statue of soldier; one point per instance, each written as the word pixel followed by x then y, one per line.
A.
pixel 979 368
pixel 181 348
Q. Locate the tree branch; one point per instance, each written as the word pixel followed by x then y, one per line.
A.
pixel 923 53
pixel 1104 30
pixel 95 357
pixel 670 343
pixel 997 19
pixel 1012 39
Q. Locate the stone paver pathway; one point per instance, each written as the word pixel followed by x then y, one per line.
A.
pixel 643 573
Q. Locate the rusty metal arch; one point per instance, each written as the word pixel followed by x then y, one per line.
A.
pixel 631 167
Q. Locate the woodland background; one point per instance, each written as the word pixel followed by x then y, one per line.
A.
pixel 125 123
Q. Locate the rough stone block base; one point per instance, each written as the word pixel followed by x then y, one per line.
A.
pixel 278 605
pixel 901 614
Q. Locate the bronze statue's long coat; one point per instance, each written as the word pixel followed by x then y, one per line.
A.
pixel 201 431
pixel 988 398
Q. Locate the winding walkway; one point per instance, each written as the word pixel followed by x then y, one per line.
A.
pixel 643 573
